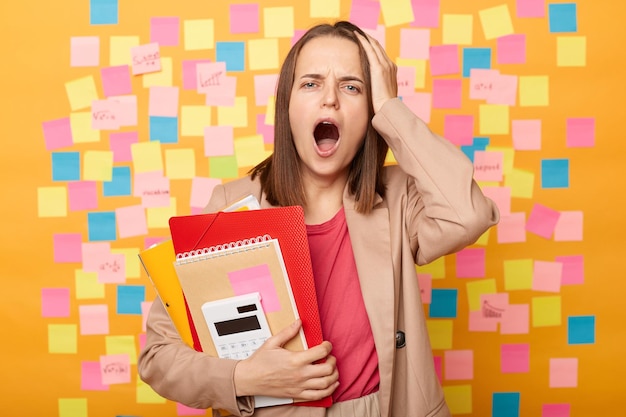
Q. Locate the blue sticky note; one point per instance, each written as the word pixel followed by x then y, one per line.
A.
pixel 119 184
pixel 101 226
pixel 562 17
pixel 476 58
pixel 554 173
pixel 443 303
pixel 478 144
pixel 581 330
pixel 103 12
pixel 232 53
pixel 129 298
pixel 164 129
pixel 505 404
pixel 65 166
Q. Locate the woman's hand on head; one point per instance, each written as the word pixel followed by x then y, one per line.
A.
pixel 383 72
pixel 277 372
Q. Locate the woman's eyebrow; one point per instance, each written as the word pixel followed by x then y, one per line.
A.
pixel 343 78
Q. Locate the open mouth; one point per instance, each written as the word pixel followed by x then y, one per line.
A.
pixel 326 136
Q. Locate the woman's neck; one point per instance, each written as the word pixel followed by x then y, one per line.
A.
pixel 323 200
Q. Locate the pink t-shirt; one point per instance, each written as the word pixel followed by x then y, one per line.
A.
pixel 342 310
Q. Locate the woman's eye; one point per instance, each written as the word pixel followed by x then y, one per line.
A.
pixel 352 88
pixel 309 85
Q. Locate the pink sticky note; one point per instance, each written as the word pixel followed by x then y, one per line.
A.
pixel 91 379
pixel 405 80
pixel 297 34
pixel 515 319
pixel 573 269
pixel 459 129
pixel 142 340
pixel 153 188
pixel 504 90
pixel 447 93
pixel 165 31
pixel 380 34
pixel 105 115
pixel 563 372
pixel 420 104
pixel 438 367
pixel 501 196
pixel 116 80
pixel 190 75
pixel 115 369
pixel 526 134
pixel 150 240
pixel 542 221
pixel 493 306
pixel 365 13
pixel 93 319
pixel 224 94
pixel 488 165
pixel 511 49
pixel 425 282
pixel 82 195
pixel 482 82
pixel 267 131
pixel 515 358
pixel 93 255
pixel 145 311
pixel 146 58
pixel 531 8
pixel 256 279
pixel 131 221
pixel 512 228
pixel 183 410
pixel 210 76
pixel 244 18
pixel 264 88
pixel 458 364
pixel 201 189
pixel 444 60
pixel 569 226
pixel 67 247
pixel 57 133
pixel 126 110
pixel 112 269
pixel 218 141
pixel 478 323
pixel 581 132
pixel 163 101
pixel 470 263
pixel 55 302
pixel 547 276
pixel 426 13
pixel 84 51
pixel 414 43
pixel 555 410
pixel 120 143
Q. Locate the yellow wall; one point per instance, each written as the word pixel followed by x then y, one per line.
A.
pixel 35 48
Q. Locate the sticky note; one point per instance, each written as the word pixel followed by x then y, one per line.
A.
pixel 67 247
pixel 515 319
pixel 163 77
pixel 504 91
pixel 421 105
pixel 581 132
pixel 512 228
pixel 270 112
pixel 194 119
pixel 163 101
pixel 496 21
pixel 488 165
pixel 121 344
pixel 479 323
pixel 547 276
pixel 129 298
pixel 555 173
pixel 190 73
pixel 444 60
pixel 131 221
pixel 101 226
pixel 555 410
pixel 542 220
pixel 210 76
pixel 87 285
pixel 52 201
pixel 73 407
pixel 458 364
pixel 457 29
pixel 103 12
pixel 562 17
pixel 258 278
pixel 581 330
pixel 505 404
pixel 396 12
pixel 426 13
pixel 127 109
pixel 180 163
pixel 119 49
pixel 263 54
pixel 244 18
pixel 264 87
pixel 165 31
pixel 163 129
pixel 531 8
pixel 436 269
pixel 569 226
pixel 65 166
pixel 120 184
pixel 82 130
pixel 93 319
pixel 414 43
pixel 459 129
pixel 62 338
pixel 81 92
pixel 443 303
pixel 515 358
pixel 521 183
pixel 145 58
pixel 447 93
pixel 278 22
pixel 365 13
pixel 116 80
pixel 84 51
pixel 82 195
pixel 223 167
pixel 405 78
pixel 425 282
pixel 470 263
pixel 458 398
pixel 563 372
pixel 511 49
pixel 476 58
pixel 115 369
pixel 419 70
pixel 533 90
pixel 493 119
pixel 249 150
pixel 218 141
pixel 153 188
pixel 199 34
pixel 201 190
pixel 526 134
pixel 158 217
pixel 571 51
pixel 57 133
pixel 236 115
pixel 132 264
pixel 324 8
pixel 546 311
pixel 476 289
pixel 97 165
pixel 146 395
pixel 573 269
pixel 518 274
pixel 440 333
pixel 233 53
pixel 90 377
pixel 501 196
pixel 55 302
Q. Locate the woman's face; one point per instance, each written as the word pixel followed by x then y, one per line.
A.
pixel 328 110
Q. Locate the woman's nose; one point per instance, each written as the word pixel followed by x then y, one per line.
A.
pixel 330 97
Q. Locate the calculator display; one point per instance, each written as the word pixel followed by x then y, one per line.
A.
pixel 238 325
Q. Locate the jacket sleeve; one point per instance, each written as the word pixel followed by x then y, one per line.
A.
pixel 446 210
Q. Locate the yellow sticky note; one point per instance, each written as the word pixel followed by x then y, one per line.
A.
pixel 87 285
pixel 199 34
pixel 458 398
pixel 132 264
pixel 437 268
pixel 98 166
pixel 161 78
pixel 81 93
pixel 194 119
pixel 159 217
pixel 440 333
pixel 533 90
pixel 278 22
pixel 496 21
pixel 249 150
pixel 73 407
pixel 270 111
pixel 420 69
pixel 522 183
pixel 494 119
pixel 82 132
pixel 324 8
pixel 120 49
pixel 518 274
pixel 546 311
pixel 52 201
pixel 146 156
pixel 146 395
pixel 180 164
pixel 223 167
pixel 117 345
pixel 457 29
pixel 483 240
pixel 396 12
pixel 263 54
pixel 62 338
pixel 508 157
pixel 236 116
pixel 571 51
pixel 390 158
pixel 477 288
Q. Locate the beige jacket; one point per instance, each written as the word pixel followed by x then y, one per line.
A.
pixel 432 208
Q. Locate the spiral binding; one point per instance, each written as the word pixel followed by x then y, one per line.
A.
pixel 218 250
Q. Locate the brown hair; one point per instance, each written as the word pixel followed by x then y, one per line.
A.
pixel 280 172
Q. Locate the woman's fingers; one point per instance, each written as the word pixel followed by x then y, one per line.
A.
pixel 383 71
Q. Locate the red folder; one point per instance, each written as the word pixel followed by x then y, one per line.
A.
pixel 199 231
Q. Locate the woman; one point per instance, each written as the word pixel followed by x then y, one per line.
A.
pixel 337 115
